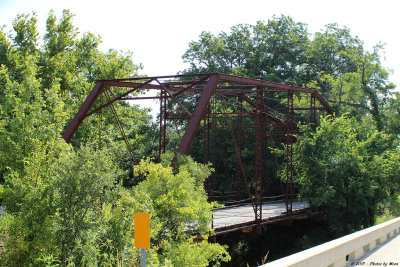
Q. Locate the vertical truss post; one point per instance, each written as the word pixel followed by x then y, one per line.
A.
pixel 239 143
pixel 160 126
pixel 163 123
pixel 206 148
pixel 313 110
pixel 259 151
pixel 211 112
pixel 100 122
pixel 206 135
pixel 289 152
pixel 213 160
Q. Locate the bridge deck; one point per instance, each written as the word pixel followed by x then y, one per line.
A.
pixel 230 218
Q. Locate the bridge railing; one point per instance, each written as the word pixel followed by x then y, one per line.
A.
pixel 228 200
pixel 336 252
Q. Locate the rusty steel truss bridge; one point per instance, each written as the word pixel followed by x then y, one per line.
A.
pixel 245 107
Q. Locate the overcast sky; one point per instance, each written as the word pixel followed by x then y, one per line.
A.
pixel 158 32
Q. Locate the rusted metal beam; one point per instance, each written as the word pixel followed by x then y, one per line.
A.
pixel 159 77
pixel 239 145
pixel 254 104
pixel 263 83
pixel 121 128
pixel 259 155
pixel 289 152
pixel 186 82
pixel 203 80
pixel 306 109
pixel 120 97
pixel 142 98
pixel 80 116
pixel 148 86
pixel 174 98
pixel 240 83
pixel 323 102
pixel 197 115
pixel 163 124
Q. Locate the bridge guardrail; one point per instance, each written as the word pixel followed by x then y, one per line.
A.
pixel 335 252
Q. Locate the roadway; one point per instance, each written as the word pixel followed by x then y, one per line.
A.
pixel 233 217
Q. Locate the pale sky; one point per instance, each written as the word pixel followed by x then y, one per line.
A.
pixel 158 32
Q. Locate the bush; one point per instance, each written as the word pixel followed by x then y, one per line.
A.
pixel 75 211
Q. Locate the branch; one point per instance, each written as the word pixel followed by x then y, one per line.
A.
pixel 350 104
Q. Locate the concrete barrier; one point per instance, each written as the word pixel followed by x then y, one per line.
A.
pixel 335 252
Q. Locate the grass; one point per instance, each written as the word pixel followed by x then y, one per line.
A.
pixel 389 210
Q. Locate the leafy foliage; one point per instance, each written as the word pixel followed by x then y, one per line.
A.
pixel 76 212
pixel 179 211
pixel 281 50
pixel 68 205
pixel 65 205
pixel 273 50
pixel 43 83
pixel 347 169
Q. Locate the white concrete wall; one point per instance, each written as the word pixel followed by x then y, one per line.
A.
pixel 333 253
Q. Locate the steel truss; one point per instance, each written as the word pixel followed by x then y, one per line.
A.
pixel 210 95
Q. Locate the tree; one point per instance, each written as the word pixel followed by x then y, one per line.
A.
pixel 66 203
pixel 346 169
pixel 333 61
pixel 392 112
pixel 76 212
pixel 62 208
pixel 279 50
pixel 44 82
pixel 352 79
pixel 332 51
pixel 273 50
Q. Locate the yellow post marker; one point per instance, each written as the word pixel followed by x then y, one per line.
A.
pixel 142 230
pixel 142 234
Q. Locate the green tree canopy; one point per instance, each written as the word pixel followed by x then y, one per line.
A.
pixel 281 50
pixel 66 204
pixel 346 168
pixel 44 82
